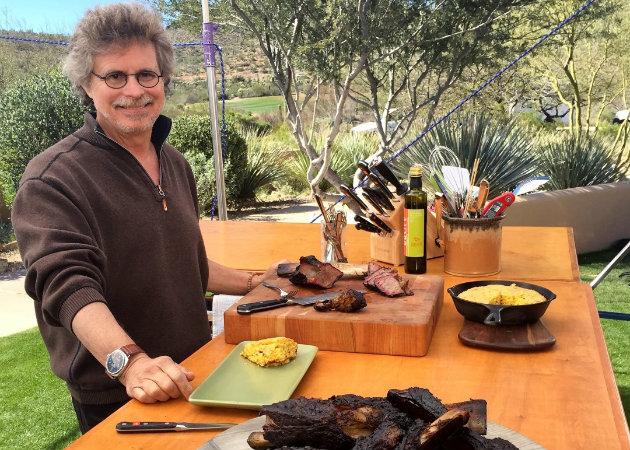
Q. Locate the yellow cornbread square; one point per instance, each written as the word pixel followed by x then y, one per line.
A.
pixel 270 352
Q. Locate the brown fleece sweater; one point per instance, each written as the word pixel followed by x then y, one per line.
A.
pixel 91 227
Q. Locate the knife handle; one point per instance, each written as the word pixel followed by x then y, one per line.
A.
pixel 364 167
pixel 380 223
pixel 248 308
pixel 381 185
pixel 348 192
pixel 366 225
pixel 382 169
pixel 138 427
pixel 374 204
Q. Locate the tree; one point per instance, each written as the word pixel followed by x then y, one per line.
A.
pixel 391 56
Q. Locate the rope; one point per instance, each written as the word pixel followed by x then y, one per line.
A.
pixel 475 92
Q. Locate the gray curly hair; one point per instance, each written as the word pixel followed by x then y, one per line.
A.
pixel 105 27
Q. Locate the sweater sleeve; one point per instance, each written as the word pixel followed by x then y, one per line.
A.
pixel 59 249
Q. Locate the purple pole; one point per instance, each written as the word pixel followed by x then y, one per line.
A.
pixel 208 43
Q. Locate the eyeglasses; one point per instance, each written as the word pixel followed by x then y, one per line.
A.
pixel 118 79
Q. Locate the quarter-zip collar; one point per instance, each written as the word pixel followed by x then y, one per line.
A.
pixel 93 133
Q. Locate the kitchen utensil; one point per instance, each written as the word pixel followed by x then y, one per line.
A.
pixel 248 308
pixel 381 198
pixel 375 179
pixel 482 196
pixel 348 192
pixel 380 223
pixel 148 427
pixel 283 293
pixel 500 314
pixel 386 173
pixel 529 185
pixel 497 205
pixel 239 383
pixel 373 203
pixel 363 224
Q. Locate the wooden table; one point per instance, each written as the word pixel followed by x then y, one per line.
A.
pixel 563 398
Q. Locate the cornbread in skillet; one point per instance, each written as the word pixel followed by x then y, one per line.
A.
pixel 270 352
pixel 498 294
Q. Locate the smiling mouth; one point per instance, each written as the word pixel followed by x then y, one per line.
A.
pixel 127 103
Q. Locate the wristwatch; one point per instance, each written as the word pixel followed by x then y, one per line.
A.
pixel 117 360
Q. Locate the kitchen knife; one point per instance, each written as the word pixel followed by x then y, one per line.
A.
pixel 382 187
pixel 264 305
pixel 375 179
pixel 373 203
pixel 383 170
pixel 147 427
pixel 380 198
pixel 348 192
pixel 380 223
pixel 366 225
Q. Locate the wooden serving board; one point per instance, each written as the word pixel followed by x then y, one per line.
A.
pixel 390 326
pixel 526 337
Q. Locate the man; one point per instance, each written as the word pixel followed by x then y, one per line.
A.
pixel 107 225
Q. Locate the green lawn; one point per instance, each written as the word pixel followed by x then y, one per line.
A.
pixel 37 412
pixel 256 105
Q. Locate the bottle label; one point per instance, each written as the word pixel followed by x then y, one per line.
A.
pixel 414 232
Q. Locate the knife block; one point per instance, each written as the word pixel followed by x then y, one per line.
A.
pixel 390 249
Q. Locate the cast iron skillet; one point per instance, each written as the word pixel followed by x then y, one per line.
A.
pixel 500 314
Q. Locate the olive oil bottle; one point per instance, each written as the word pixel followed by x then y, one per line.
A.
pixel 415 223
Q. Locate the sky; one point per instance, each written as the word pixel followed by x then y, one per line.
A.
pixel 45 16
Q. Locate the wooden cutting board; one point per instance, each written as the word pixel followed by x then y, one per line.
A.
pixel 390 326
pixel 526 337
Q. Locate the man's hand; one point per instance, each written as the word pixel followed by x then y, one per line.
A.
pixel 151 380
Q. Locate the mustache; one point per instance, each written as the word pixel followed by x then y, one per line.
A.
pixel 127 102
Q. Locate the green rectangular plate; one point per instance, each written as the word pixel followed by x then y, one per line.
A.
pixel 239 383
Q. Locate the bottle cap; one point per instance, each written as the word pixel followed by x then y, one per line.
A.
pixel 415 170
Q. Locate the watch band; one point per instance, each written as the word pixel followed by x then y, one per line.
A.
pixel 131 349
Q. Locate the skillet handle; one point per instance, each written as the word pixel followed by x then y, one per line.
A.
pixel 494 318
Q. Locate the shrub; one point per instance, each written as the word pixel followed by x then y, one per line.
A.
pixel 505 151
pixel 347 150
pixel 192 135
pixel 35 114
pixel 570 162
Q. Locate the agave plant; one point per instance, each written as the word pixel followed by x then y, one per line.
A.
pixel 264 163
pixel 574 162
pixel 504 149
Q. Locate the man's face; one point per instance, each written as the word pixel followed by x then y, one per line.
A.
pixel 131 110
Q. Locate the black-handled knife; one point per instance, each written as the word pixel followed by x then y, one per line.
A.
pixel 380 223
pixel 380 198
pixel 363 224
pixel 383 170
pixel 375 179
pixel 348 192
pixel 377 207
pixel 148 427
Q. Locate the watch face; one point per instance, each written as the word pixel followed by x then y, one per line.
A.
pixel 116 362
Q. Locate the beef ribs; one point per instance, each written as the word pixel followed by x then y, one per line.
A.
pixel 313 272
pixel 419 403
pixel 386 281
pixel 409 419
pixel 348 300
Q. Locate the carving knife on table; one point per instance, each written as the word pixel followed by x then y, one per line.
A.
pixel 150 427
pixel 264 305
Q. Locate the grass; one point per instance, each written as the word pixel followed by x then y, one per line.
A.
pixel 37 412
pixel 36 409
pixel 613 294
pixel 256 105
